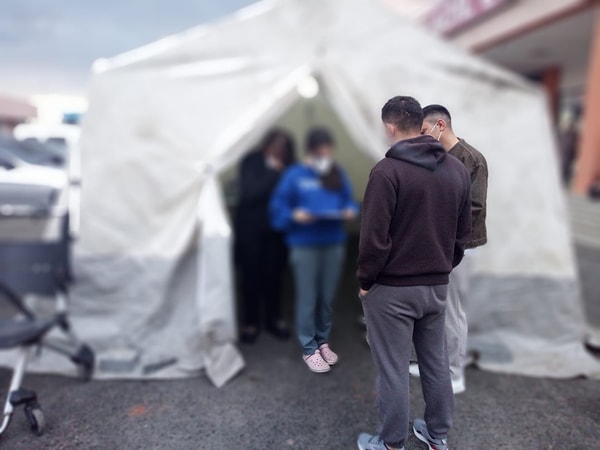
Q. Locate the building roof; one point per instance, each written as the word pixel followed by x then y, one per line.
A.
pixel 16 109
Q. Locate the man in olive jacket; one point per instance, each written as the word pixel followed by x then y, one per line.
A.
pixel 438 123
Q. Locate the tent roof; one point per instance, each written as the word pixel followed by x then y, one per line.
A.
pixel 299 31
pixel 271 46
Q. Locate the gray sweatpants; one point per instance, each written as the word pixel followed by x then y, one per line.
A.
pixel 395 316
pixel 457 327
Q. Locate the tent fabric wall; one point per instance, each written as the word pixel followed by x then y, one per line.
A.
pixel 166 118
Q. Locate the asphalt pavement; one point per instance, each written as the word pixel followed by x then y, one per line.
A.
pixel 277 404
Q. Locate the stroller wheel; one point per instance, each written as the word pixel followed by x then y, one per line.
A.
pixel 36 419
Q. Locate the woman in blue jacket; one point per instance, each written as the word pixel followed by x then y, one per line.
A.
pixel 310 205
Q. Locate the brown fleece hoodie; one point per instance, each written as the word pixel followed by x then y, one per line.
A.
pixel 416 216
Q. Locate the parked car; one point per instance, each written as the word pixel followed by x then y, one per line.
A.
pixel 14 170
pixel 62 137
pixel 33 152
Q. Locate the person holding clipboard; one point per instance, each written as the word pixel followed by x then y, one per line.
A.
pixel 310 205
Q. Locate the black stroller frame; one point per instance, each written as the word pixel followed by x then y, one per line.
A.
pixel 38 267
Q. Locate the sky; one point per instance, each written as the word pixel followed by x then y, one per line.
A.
pixel 48 46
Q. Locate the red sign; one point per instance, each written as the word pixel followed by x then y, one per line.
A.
pixel 448 16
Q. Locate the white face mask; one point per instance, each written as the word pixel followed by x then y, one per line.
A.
pixel 431 130
pixel 271 162
pixel 322 165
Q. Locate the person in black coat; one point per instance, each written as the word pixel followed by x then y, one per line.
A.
pixel 261 252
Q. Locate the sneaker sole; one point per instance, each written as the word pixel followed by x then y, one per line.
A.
pixel 459 389
pixel 415 373
pixel 360 447
pixel 423 439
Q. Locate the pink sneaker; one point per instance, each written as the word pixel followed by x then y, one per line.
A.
pixel 328 355
pixel 316 363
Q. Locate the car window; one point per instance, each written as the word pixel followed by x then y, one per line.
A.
pixel 6 164
pixel 33 152
pixel 7 161
pixel 59 143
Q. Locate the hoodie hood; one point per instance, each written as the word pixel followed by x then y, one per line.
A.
pixel 423 151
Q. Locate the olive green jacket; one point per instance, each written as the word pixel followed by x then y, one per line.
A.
pixel 477 166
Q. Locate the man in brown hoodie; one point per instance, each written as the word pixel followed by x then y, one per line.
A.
pixel 416 222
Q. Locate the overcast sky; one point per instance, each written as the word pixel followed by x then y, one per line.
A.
pixel 48 46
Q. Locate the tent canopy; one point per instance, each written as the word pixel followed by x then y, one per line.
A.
pixel 167 118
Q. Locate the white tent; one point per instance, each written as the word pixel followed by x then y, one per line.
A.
pixel 155 282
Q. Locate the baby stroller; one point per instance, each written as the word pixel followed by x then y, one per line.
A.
pixel 34 265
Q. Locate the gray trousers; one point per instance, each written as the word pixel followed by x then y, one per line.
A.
pixel 396 316
pixel 457 327
pixel 317 271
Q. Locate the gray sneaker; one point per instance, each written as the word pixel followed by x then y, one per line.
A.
pixel 370 442
pixel 458 383
pixel 420 430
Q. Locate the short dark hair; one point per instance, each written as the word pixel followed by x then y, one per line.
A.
pixel 404 113
pixel 438 112
pixel 318 137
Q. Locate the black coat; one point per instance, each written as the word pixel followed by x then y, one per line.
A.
pixel 256 183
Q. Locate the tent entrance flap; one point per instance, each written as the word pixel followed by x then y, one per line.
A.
pixel 250 126
pixel 355 157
